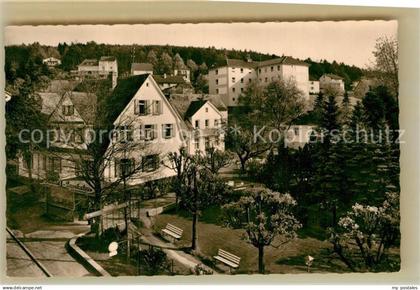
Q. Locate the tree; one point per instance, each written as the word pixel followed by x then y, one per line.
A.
pixel 214 159
pixel 264 215
pixel 165 64
pixel 179 162
pixel 366 233
pixel 200 189
pixel 386 63
pixel 178 62
pixel 152 57
pixel 23 112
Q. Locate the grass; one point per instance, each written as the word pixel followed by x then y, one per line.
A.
pixel 288 258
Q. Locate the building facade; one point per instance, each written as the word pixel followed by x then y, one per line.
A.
pixel 102 68
pixel 331 81
pixel 232 79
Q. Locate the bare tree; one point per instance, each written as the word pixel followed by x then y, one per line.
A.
pixel 386 62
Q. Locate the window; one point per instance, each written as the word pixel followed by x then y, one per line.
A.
pixel 207 142
pixel 157 107
pixel 266 80
pixel 54 164
pixel 233 89
pixel 197 144
pixel 233 99
pixel 68 110
pixel 149 132
pixel 242 70
pixel 217 81
pixel 272 68
pixel 167 131
pixel 242 90
pixel 207 110
pixel 217 72
pixel 126 167
pixel 233 79
pixel 216 123
pixel 278 67
pixel 217 91
pixel 259 70
pixel 242 80
pixel 141 108
pixel 79 135
pixel 249 80
pixel 206 123
pixel 296 131
pixel 150 163
pixel 147 84
pixel 28 163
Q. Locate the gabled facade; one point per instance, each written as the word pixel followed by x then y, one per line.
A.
pixel 232 79
pixel 155 130
pixel 70 117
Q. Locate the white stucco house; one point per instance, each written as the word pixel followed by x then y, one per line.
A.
pixel 231 79
pixel 331 80
pixel 141 68
pixel 51 61
pixel 102 68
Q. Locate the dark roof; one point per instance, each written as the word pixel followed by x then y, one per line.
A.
pixel 333 76
pixel 193 108
pixel 60 86
pixel 89 62
pixel 255 64
pixel 107 58
pixel 122 95
pixel 144 66
pixel 241 63
pixel 169 79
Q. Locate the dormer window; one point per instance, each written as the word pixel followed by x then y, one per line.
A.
pixel 68 110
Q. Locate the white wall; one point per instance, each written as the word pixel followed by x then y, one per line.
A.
pixel 149 91
pixel 210 113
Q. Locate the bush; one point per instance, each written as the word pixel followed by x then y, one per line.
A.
pixel 153 261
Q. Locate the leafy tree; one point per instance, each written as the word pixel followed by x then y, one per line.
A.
pixel 366 233
pixel 266 217
pixel 178 62
pixel 165 64
pixel 153 261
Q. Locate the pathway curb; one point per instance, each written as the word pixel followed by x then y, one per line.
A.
pixel 83 258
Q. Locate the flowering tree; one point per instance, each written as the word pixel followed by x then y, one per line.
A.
pixel 264 215
pixel 366 233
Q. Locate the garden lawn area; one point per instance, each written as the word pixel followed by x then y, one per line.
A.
pixel 288 258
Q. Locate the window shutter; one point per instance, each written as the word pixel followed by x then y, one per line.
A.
pixel 136 107
pixel 148 107
pixel 160 108
pixel 72 110
pixel 163 131
pixel 173 130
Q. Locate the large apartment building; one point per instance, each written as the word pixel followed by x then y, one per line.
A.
pixel 232 78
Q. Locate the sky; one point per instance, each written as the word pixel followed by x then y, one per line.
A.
pixel 351 42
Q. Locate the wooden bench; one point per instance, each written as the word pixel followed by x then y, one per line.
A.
pixel 227 258
pixel 173 231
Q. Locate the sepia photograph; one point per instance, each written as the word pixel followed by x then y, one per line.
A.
pixel 202 149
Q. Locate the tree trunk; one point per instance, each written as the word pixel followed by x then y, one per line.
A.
pixel 261 259
pixel 194 238
pixel 243 162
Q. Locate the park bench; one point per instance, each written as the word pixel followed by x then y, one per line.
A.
pixel 227 258
pixel 173 231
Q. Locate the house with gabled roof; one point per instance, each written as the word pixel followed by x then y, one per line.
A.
pixel 104 67
pixel 70 117
pixel 141 68
pixel 231 79
pixel 331 81
pixel 139 107
pixel 204 117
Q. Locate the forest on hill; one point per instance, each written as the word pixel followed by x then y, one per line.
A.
pixel 23 58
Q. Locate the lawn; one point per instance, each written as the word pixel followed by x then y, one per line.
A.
pixel 288 258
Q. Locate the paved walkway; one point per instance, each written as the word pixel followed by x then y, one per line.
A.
pixel 49 247
pixel 185 259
